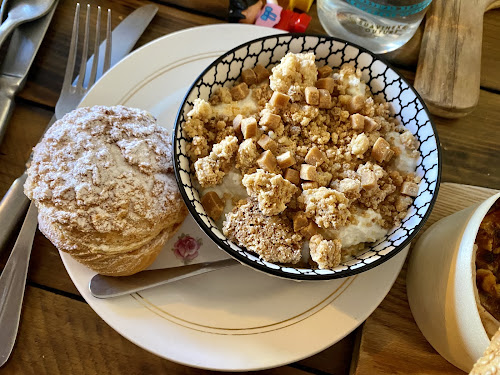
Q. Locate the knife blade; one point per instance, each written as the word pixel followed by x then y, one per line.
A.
pixel 14 204
pixel 110 286
pixel 22 50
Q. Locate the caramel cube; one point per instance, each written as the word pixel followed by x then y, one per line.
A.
pixel 249 77
pixel 300 221
pixel 381 150
pixel 310 185
pixel 239 92
pixel 402 203
pixel 409 188
pixel 390 154
pixel 308 172
pixel 324 178
pixel 356 104
pixel 327 84
pixel 358 122
pixel 249 127
pixel 312 95
pixel 279 100
pixel 310 230
pixel 368 180
pixel 237 123
pixel 325 71
pixel 285 160
pixel 315 157
pixel 325 99
pixel 267 161
pixel 267 143
pixel 213 205
pixel 270 120
pixel 261 72
pixel 293 176
pixel 371 124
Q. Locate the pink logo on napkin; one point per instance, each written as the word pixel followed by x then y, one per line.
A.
pixel 186 247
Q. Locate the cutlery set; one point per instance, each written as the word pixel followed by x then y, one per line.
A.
pixel 29 21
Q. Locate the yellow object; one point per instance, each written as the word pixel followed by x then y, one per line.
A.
pixel 303 5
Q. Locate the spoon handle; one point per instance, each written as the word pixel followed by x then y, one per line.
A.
pixel 5 29
pixel 108 286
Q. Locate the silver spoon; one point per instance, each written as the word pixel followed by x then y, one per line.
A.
pixel 108 286
pixel 21 11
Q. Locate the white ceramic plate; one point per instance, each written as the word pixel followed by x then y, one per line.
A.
pixel 235 319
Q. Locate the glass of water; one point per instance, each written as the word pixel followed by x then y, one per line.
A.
pixel 378 25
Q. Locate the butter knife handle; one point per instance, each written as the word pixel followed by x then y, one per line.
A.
pixel 12 209
pixel 6 108
pixel 12 283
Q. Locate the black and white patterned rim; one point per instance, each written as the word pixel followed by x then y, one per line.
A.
pixel 383 81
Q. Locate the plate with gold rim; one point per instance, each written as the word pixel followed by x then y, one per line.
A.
pixel 235 319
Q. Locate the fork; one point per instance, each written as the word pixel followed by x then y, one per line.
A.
pixel 72 94
pixel 13 277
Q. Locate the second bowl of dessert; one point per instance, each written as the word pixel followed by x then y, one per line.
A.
pixel 306 157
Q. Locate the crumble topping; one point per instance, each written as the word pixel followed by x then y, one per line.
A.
pixel 294 74
pixel 326 253
pixel 211 169
pixel 246 156
pixel 311 145
pixel 327 207
pixel 272 191
pixel 271 237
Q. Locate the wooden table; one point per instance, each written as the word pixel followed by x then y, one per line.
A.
pixel 59 333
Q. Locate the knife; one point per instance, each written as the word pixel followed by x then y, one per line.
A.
pixel 23 47
pixel 111 286
pixel 14 204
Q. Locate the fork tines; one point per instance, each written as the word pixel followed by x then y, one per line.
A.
pixel 83 79
pixel 72 91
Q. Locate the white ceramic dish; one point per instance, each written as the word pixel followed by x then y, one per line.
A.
pixel 215 321
pixel 385 84
pixel 441 286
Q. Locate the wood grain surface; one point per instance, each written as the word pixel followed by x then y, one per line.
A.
pixel 449 81
pixel 391 342
pixel 59 333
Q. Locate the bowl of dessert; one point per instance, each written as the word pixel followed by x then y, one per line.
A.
pixel 306 157
pixel 452 283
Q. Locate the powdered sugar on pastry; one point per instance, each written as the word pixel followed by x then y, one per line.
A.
pixel 102 181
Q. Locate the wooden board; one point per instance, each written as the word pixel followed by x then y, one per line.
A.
pixel 449 65
pixel 390 342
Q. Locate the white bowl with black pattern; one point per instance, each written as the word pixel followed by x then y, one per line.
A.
pixel 383 81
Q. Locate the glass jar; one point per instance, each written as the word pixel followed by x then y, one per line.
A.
pixel 378 25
